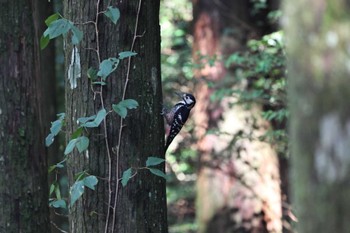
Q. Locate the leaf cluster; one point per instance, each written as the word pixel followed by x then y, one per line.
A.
pixel 260 78
pixel 150 165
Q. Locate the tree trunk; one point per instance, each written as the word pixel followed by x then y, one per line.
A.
pixel 140 205
pixel 23 183
pixel 238 179
pixel 318 70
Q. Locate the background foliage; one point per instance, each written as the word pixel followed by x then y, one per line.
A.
pixel 259 71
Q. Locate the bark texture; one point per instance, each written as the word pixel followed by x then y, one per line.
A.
pixel 141 205
pixel 23 183
pixel 318 48
pixel 238 187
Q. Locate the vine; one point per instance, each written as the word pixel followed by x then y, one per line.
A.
pixel 57 25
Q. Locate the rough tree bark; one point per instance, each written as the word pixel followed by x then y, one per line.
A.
pixel 238 183
pixel 318 48
pixel 141 205
pixel 23 120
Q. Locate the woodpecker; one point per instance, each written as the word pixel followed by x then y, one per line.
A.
pixel 177 116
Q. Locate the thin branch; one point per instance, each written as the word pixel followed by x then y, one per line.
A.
pixel 121 119
pixel 58 228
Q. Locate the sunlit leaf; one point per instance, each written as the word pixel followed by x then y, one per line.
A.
pixel 51 18
pixel 44 41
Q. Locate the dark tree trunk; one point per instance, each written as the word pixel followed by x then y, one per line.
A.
pixel 238 183
pixel 318 42
pixel 23 183
pixel 141 205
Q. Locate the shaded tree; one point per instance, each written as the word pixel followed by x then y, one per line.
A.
pixel 24 114
pixel 118 144
pixel 318 73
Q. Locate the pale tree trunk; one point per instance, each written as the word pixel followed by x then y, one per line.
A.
pixel 23 120
pixel 140 205
pixel 318 71
pixel 238 186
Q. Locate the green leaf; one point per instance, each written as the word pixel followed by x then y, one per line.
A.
pixel 56 127
pixel 129 103
pixel 113 14
pixel 49 139
pixel 100 83
pixel 58 191
pixel 107 66
pixel 51 168
pixel 77 133
pixel 120 110
pixel 122 106
pixel 70 146
pixel 80 175
pixel 58 165
pixel 90 182
pixel 44 41
pixel 82 143
pixel 57 28
pixel 157 172
pixel 126 176
pixel 52 188
pixel 126 54
pixel 77 35
pixel 83 120
pixel 153 161
pixel 92 73
pixel 51 18
pixel 76 191
pixel 58 204
pixel 97 120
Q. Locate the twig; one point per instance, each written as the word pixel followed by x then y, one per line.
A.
pixel 100 93
pixel 121 119
pixel 58 228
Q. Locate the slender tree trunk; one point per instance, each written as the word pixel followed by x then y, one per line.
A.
pixel 23 166
pixel 318 48
pixel 238 179
pixel 141 205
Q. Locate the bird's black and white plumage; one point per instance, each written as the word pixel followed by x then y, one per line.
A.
pixel 178 115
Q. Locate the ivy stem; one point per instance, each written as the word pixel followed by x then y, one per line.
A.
pixel 135 36
pixel 100 93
